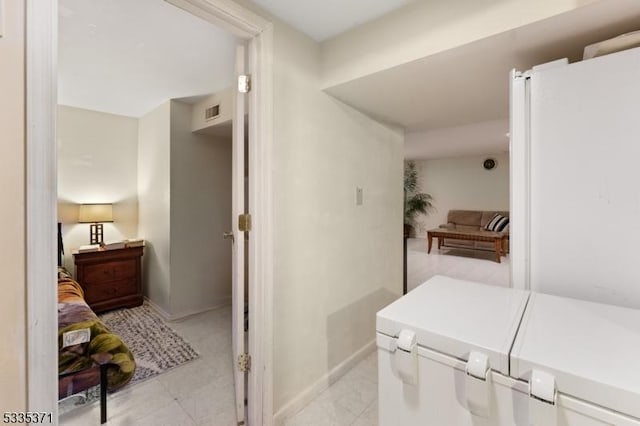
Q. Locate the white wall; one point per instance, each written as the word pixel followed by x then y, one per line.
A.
pixel 13 375
pixel 97 163
pixel 423 28
pixel 154 203
pixel 184 185
pixel 200 213
pixel 462 183
pixel 336 263
pixel 459 141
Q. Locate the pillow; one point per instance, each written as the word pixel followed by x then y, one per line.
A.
pixel 498 223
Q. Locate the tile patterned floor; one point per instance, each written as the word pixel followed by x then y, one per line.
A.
pixel 473 265
pixel 196 393
pixel 201 392
pixel 352 400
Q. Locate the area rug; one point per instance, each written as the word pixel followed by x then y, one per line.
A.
pixel 156 348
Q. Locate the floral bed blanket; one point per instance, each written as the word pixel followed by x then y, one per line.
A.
pixel 79 364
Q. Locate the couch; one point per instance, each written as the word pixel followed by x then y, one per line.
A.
pixel 471 220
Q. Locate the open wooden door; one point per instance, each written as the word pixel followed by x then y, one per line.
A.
pixel 241 224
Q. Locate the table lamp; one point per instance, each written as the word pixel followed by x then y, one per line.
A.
pixel 96 215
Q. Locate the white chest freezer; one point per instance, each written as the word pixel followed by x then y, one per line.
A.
pixel 455 352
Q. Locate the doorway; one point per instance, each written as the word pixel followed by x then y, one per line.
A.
pixel 165 169
pixel 41 172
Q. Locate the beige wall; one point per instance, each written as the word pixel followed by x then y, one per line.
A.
pixel 97 163
pixel 200 214
pixel 184 190
pixel 12 213
pixel 423 28
pixel 462 183
pixel 154 202
pixel 336 263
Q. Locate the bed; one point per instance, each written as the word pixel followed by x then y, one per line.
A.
pixel 104 360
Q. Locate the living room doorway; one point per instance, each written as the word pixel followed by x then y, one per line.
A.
pixel 464 194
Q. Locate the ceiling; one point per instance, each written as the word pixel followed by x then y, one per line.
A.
pixel 122 57
pixel 486 137
pixel 324 19
pixel 469 85
pixel 126 57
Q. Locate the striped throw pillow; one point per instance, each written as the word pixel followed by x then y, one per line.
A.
pixel 498 223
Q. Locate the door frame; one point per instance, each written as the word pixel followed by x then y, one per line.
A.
pixel 41 195
pixel 519 179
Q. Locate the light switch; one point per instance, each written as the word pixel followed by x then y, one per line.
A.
pixel 358 196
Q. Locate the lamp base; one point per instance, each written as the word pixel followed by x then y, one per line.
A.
pixel 96 235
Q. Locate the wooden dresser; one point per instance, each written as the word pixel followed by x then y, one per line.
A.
pixel 111 278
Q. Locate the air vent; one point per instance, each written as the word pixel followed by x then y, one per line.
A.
pixel 211 113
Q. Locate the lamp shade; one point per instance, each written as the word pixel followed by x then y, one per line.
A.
pixel 95 213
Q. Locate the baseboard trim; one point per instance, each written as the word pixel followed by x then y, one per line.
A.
pixel 182 315
pixel 157 308
pixel 309 394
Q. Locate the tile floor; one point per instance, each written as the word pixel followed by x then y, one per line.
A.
pixel 473 265
pixel 201 392
pixel 352 400
pixel 196 393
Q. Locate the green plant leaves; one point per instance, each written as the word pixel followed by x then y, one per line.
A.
pixel 414 202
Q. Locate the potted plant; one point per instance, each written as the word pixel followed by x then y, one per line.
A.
pixel 415 202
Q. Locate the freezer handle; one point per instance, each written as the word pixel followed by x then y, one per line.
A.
pixel 542 399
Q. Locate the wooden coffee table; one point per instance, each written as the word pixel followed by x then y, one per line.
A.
pixel 499 239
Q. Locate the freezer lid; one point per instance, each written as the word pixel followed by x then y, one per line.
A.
pixel 592 349
pixel 456 317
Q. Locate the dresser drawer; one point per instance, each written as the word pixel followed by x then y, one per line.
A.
pixel 111 279
pixel 109 290
pixel 109 271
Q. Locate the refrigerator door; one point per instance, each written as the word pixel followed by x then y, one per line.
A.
pixel 584 217
pixel 456 317
pixel 591 349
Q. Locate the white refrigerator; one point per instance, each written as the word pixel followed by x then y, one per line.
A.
pixel 575 179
